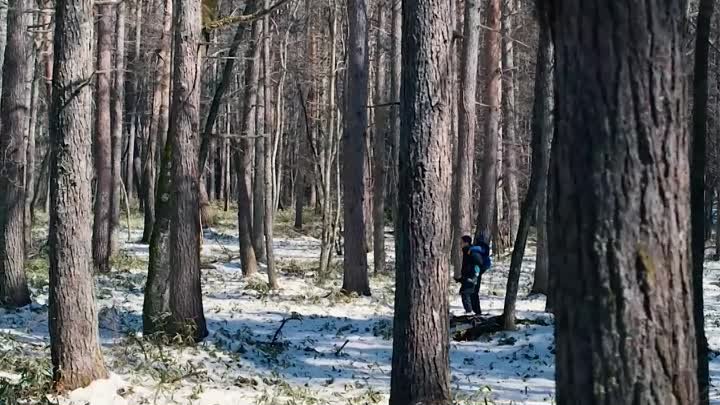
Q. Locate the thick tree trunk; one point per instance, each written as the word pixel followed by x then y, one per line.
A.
pixel 619 217
pixel 103 143
pixel 420 365
pixel 491 118
pixel 159 121
pixel 244 157
pixel 118 115
pixel 543 121
pixel 355 278
pixel 697 191
pixel 541 131
pixel 14 115
pixel 379 155
pixel 75 351
pixel 510 145
pixel 467 122
pixel 185 287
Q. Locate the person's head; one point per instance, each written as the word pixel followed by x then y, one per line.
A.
pixel 466 241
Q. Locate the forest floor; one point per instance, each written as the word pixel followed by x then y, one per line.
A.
pixel 332 349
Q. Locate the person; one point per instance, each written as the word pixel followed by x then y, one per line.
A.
pixel 473 265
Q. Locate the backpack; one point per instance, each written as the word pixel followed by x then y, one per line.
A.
pixel 484 250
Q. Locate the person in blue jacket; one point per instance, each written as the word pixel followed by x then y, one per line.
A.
pixel 475 263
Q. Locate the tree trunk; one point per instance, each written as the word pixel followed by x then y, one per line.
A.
pixel 3 38
pixel 467 122
pixel 185 289
pixel 244 157
pixel 14 114
pixel 620 209
pixel 160 120
pixel 267 154
pixel 134 102
pixel 420 365
pixel 75 351
pixel 102 144
pixel 258 231
pixel 379 158
pixel 543 121
pixel 697 191
pixel 395 73
pixel 118 111
pixel 491 118
pixel 509 121
pixel 30 179
pixel 355 278
pixel 538 171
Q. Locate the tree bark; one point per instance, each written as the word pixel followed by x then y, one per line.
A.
pixel 133 102
pixel 543 121
pixel 355 278
pixel 160 120
pixel 268 216
pixel 30 178
pixel 185 232
pixel 395 75
pixel 491 118
pixel 244 157
pixel 619 217
pixel 118 115
pixel 467 122
pixel 420 364
pixel 75 351
pixel 103 141
pixel 510 141
pixel 14 114
pixel 379 155
pixel 258 231
pixel 3 38
pixel 538 172
pixel 697 191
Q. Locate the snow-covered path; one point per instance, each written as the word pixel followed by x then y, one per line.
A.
pixel 332 349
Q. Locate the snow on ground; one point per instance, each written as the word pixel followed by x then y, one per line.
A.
pixel 332 349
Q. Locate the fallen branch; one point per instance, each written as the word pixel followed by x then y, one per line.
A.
pixel 293 317
pixel 337 353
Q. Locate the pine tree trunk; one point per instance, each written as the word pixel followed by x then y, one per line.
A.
pixel 3 38
pixel 395 73
pixel 159 122
pixel 491 118
pixel 467 122
pixel 510 140
pixel 14 115
pixel 420 364
pixel 538 171
pixel 30 180
pixel 355 264
pixel 103 141
pixel 623 288
pixel 75 351
pixel 134 102
pixel 267 154
pixel 244 157
pixel 543 121
pixel 258 231
pixel 379 156
pixel 697 191
pixel 118 115
pixel 185 287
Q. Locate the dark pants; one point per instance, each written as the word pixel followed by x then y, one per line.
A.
pixel 470 295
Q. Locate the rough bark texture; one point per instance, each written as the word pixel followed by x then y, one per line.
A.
pixel 467 122
pixel 543 121
pixel 420 365
pixel 619 216
pixel 491 119
pixel 103 143
pixel 74 347
pixel 697 192
pixel 159 120
pixel 185 287
pixel 379 155
pixel 156 305
pixel 355 277
pixel 244 157
pixel 510 141
pixel 14 115
pixel 541 131
pixel 118 108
